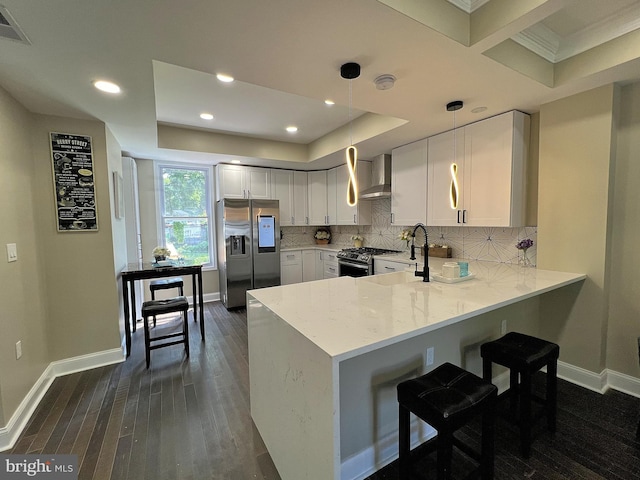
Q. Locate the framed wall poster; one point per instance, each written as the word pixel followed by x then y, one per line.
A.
pixel 73 180
pixel 118 195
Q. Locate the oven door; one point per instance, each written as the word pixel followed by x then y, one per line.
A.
pixel 348 268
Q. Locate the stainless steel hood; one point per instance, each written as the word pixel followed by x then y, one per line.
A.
pixel 380 178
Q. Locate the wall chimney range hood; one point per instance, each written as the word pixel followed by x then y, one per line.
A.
pixel 380 178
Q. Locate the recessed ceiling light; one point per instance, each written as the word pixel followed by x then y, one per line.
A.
pixel 206 116
pixel 329 102
pixel 105 86
pixel 292 129
pixel 235 161
pixel 224 78
pixel 478 110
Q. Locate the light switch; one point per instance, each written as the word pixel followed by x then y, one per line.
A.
pixel 12 252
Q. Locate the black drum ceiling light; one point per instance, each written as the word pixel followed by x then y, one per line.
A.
pixel 350 71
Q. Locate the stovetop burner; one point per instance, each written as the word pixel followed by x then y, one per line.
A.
pixel 363 254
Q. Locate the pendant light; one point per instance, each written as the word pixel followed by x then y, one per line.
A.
pixel 454 192
pixel 350 71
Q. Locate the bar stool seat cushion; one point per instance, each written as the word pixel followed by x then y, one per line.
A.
pixel 520 352
pixel 159 307
pixel 447 395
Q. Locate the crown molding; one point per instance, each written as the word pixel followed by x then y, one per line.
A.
pixel 540 40
pixel 468 6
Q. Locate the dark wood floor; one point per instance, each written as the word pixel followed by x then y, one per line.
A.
pixel 190 419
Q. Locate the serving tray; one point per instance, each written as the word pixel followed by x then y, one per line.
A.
pixel 440 278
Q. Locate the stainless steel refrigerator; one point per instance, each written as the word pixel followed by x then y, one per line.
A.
pixel 248 234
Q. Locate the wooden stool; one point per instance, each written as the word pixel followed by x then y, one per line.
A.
pixel 447 398
pixel 164 284
pixel 159 307
pixel 524 355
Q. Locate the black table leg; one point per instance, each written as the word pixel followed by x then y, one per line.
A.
pixel 134 320
pixel 201 302
pixel 127 325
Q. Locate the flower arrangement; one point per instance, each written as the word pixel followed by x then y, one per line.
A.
pixel 524 244
pixel 322 235
pixel 357 237
pixel 160 253
pixel 405 235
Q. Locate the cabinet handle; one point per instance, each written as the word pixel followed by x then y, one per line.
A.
pixel 464 216
pixel 292 221
pixel 332 269
pixel 248 193
pixel 458 216
pixel 392 217
pixel 389 268
pixel 307 220
pixel 354 218
pixel 291 256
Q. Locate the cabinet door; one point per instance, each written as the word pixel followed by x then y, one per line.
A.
pixel 231 181
pixel 440 211
pixel 409 184
pixel 290 267
pixel 332 196
pixel 319 264
pixel 493 168
pixel 308 265
pixel 386 266
pixel 317 197
pixel 282 190
pixel 300 211
pixel 258 183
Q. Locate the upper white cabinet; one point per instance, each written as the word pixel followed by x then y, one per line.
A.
pixel 237 181
pixel 317 198
pixel 480 182
pixel 282 190
pixel 332 196
pixel 360 214
pixel 409 184
pixel 300 206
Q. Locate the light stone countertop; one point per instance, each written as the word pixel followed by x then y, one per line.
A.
pixel 313 246
pixel 346 317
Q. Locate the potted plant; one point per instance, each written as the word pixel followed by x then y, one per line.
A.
pixel 322 236
pixel 357 240
pixel 160 253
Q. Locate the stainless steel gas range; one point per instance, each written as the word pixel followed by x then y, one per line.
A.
pixel 358 262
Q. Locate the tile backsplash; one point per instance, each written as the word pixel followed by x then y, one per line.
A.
pixel 495 244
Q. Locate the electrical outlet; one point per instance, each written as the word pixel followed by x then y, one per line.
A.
pixel 12 252
pixel 503 327
pixel 430 354
pixel 18 349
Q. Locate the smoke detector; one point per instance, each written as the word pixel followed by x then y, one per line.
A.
pixel 384 82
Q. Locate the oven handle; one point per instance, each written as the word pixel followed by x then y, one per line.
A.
pixel 361 266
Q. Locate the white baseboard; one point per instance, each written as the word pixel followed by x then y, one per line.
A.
pixel 584 378
pixel 623 383
pixel 10 433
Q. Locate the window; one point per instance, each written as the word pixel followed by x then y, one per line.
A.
pixel 186 226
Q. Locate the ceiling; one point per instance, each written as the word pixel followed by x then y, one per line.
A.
pixel 286 55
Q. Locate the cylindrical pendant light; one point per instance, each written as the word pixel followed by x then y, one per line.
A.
pixel 350 71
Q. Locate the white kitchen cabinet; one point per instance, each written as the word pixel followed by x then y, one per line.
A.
pixel 360 214
pixel 490 156
pixel 290 267
pixel 300 209
pixel 409 184
pixel 237 181
pixel 282 190
pixel 381 266
pixel 317 198
pixel 289 187
pixel 332 196
pixel 309 265
pixel 330 264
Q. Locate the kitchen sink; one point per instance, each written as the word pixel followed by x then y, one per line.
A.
pixel 395 278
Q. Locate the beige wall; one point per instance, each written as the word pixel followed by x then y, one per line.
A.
pixel 575 184
pixel 82 298
pixel 624 309
pixel 22 297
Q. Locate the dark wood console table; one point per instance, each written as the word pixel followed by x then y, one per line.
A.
pixel 145 271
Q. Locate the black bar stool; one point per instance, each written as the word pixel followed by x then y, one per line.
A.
pixel 447 398
pixel 165 284
pixel 159 307
pixel 524 355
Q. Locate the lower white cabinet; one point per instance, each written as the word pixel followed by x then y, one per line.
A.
pixel 387 266
pixel 290 267
pixel 330 264
pixel 309 265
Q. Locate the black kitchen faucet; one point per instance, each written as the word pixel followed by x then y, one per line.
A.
pixel 425 269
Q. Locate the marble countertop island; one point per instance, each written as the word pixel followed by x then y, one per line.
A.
pixel 325 356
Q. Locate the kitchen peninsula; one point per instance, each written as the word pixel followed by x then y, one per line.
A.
pixel 325 356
